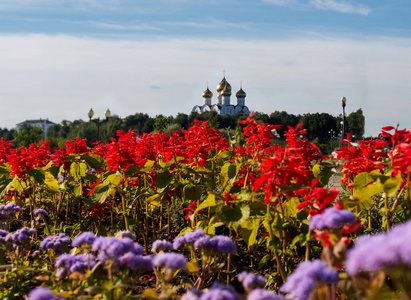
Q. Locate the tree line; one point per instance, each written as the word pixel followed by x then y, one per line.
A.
pixel 318 126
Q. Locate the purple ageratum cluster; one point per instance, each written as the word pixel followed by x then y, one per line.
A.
pixel 262 294
pixel 161 245
pixel 42 293
pixel 55 242
pixel 67 263
pixel 111 249
pixel 220 291
pixel 86 237
pixel 170 260
pixel 19 237
pixel 393 250
pixel 8 210
pixel 251 281
pixel 135 262
pixel 218 243
pixel 188 237
pixel 3 234
pixel 41 211
pixel 332 218
pixel 192 294
pixel 200 240
pixel 301 283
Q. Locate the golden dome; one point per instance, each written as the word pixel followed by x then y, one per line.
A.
pixel 223 85
pixel 207 93
pixel 226 91
pixel 240 93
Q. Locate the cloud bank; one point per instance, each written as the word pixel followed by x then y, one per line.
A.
pixel 62 77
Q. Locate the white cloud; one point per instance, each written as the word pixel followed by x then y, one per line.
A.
pixel 341 6
pixel 61 77
pixel 333 5
pixel 127 27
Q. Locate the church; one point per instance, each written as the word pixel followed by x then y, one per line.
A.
pixel 223 107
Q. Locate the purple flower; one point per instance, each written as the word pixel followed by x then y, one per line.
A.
pixel 188 237
pixel 301 283
pixel 111 248
pixel 41 212
pixel 205 242
pixel 8 210
pixel 42 293
pixel 170 260
pixel 161 245
pixel 20 236
pixel 68 263
pixel 262 294
pixel 332 218
pixel 55 242
pixel 393 250
pixel 35 253
pixel 251 281
pixel 3 232
pixel 223 244
pixel 220 291
pixel 86 237
pixel 135 262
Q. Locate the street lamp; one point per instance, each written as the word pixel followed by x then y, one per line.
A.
pixel 107 114
pixel 343 102
pixel 332 135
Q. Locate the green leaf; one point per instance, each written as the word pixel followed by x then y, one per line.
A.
pixel 362 179
pixel 290 207
pixel 5 168
pixel 192 267
pixel 234 217
pixel 365 193
pixel 249 230
pixel 209 202
pixel 38 175
pixel 392 185
pixel 18 184
pixel 154 201
pixel 323 172
pixel 78 170
pixel 95 161
pixel 192 193
pixel 101 192
pixel 78 189
pixel 131 170
pixel 51 182
pixel 163 180
pixel 114 179
pixel 225 154
pixel 5 181
pixel 228 171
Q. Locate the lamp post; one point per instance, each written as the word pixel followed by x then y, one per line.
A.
pixel 343 102
pixel 107 114
pixel 332 135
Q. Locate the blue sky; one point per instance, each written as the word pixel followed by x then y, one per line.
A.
pixel 59 58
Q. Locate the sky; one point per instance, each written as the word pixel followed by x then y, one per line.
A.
pixel 60 58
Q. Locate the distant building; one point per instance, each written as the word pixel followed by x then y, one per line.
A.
pixel 223 107
pixel 43 124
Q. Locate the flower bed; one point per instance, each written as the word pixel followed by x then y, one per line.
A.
pixel 196 216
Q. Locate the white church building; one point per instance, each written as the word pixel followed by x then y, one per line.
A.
pixel 223 106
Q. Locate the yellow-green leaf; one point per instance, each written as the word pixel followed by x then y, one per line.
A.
pixel 193 267
pixel 51 182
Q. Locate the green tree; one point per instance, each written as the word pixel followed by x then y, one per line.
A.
pixel 161 122
pixel 355 123
pixel 27 135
